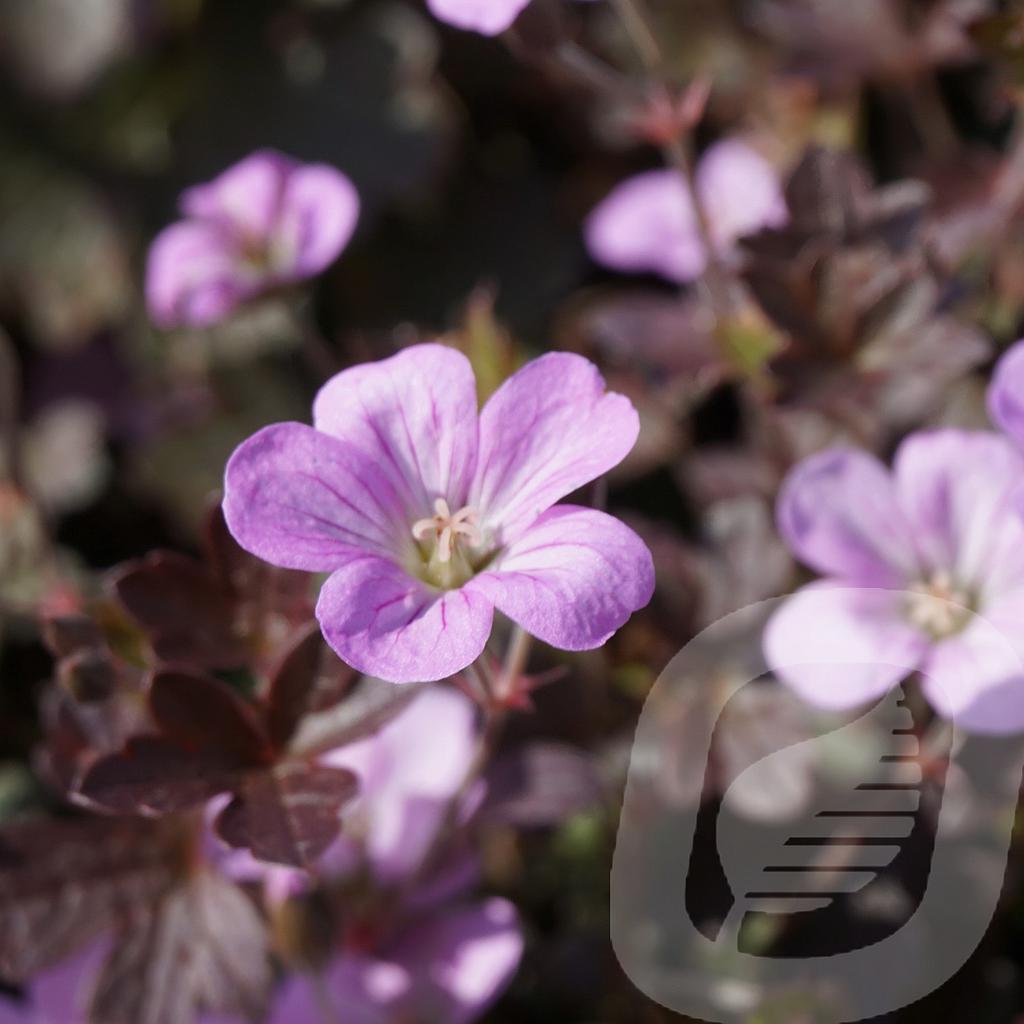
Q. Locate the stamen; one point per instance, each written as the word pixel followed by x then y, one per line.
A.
pixel 938 605
pixel 448 528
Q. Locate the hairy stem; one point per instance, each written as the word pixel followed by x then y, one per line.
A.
pixel 678 153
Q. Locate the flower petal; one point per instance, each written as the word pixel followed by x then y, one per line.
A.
pixel 647 224
pixel 488 17
pixel 837 512
pixel 387 624
pixel 194 276
pixel 572 579
pixel 549 429
pixel 449 968
pixel 415 415
pixel 402 805
pixel 1006 393
pixel 740 192
pixel 246 197
pixel 469 954
pixel 838 647
pixel 957 490
pixel 977 677
pixel 304 500
pixel 319 211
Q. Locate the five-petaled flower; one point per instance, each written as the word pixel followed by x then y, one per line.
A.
pixel 648 223
pixel 925 570
pixel 429 515
pixel 267 221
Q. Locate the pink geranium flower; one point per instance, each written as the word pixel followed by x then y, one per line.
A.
pixel 266 222
pixel 648 223
pixel 422 949
pixel 924 570
pixel 488 17
pixel 428 515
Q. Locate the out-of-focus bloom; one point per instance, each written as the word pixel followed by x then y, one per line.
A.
pixel 65 455
pixel 1006 394
pixel 267 221
pixel 925 569
pixel 445 968
pixel 648 223
pixel 430 954
pixel 488 17
pixel 60 994
pixel 401 807
pixel 429 515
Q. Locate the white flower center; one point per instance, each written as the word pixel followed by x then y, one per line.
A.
pixel 447 528
pixel 938 605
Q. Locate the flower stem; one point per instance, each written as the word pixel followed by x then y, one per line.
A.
pixel 515 660
pixel 478 684
pixel 677 152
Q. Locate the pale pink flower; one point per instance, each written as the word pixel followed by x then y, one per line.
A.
pixel 648 223
pixel 267 221
pixel 924 570
pixel 429 515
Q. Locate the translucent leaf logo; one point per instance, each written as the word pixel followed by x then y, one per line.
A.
pixel 890 837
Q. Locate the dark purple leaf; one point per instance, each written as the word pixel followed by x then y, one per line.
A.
pixel 288 815
pixel 188 615
pixel 153 776
pixel 308 678
pixel 62 882
pixel 89 674
pixel 68 634
pixel 76 733
pixel 201 949
pixel 199 713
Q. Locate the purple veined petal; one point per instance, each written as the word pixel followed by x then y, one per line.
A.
pixel 1006 393
pixel 415 415
pixel 977 676
pixel 401 804
pixel 740 192
pixel 837 512
pixel 572 579
pixel 304 500
pixel 383 622
pixel 318 214
pixel 488 17
pixel 647 224
pixel 838 647
pixel 195 276
pixel 246 197
pixel 957 490
pixel 549 429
